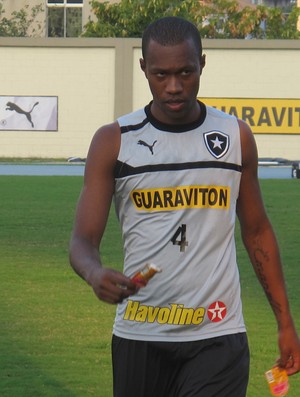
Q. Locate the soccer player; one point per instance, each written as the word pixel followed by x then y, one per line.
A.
pixel 179 171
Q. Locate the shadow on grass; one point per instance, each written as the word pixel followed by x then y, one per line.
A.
pixel 22 377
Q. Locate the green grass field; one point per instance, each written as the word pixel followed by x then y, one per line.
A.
pixel 55 335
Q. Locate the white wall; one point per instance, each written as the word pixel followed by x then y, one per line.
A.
pixel 83 80
pixel 98 79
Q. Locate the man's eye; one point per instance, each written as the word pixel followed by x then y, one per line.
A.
pixel 160 74
pixel 186 72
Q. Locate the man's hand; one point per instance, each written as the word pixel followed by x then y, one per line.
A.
pixel 110 285
pixel 289 345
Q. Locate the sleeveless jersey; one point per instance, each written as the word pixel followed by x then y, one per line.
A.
pixel 175 196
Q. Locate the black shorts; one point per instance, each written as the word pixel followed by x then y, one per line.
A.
pixel 216 367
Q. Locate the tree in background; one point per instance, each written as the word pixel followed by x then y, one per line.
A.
pixel 214 18
pixel 20 23
pixel 128 18
pixel 283 25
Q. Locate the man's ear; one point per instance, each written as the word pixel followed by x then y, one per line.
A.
pixel 143 65
pixel 202 62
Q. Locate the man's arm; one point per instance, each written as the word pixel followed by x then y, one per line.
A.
pixel 260 242
pixel 91 217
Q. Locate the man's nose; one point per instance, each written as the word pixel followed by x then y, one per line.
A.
pixel 174 85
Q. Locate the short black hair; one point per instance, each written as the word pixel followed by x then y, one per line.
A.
pixel 170 31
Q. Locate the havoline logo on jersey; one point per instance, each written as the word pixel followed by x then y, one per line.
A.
pixel 217 143
pixel 174 313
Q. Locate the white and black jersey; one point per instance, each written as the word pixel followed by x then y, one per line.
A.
pixel 176 189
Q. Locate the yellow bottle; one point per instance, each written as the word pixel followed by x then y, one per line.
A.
pixel 278 381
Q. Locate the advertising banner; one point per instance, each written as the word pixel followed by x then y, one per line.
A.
pixel 28 113
pixel 264 116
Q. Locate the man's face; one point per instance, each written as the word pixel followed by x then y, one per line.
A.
pixel 173 74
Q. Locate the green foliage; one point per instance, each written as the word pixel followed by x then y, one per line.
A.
pixel 214 18
pixel 281 25
pixel 20 22
pixel 130 17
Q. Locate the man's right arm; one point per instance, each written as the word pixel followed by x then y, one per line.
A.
pixel 91 217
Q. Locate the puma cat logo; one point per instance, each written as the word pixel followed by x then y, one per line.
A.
pixel 13 107
pixel 150 147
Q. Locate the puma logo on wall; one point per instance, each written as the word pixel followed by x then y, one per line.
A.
pixel 13 107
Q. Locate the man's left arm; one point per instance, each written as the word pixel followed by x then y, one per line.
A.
pixel 261 244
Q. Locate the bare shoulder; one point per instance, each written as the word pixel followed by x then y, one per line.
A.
pixel 249 149
pixel 104 147
pixel 107 136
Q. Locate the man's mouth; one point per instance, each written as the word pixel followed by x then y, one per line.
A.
pixel 175 105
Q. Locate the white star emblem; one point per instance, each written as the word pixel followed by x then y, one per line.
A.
pixel 217 143
pixel 217 312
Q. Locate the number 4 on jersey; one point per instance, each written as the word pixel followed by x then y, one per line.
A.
pixel 179 238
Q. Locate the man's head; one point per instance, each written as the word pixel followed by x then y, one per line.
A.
pixel 170 31
pixel 173 62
